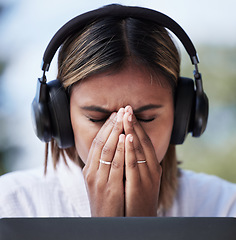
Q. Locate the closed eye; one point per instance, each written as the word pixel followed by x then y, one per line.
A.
pixel 104 119
pixel 97 120
pixel 145 120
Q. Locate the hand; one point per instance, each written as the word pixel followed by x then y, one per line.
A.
pixel 142 179
pixel 104 182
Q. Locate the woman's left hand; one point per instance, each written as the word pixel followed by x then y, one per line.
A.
pixel 142 170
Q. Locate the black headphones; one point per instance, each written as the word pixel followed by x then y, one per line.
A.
pixel 50 107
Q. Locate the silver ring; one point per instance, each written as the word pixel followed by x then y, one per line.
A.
pixel 141 161
pixel 105 162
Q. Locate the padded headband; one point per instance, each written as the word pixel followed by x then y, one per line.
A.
pixel 118 11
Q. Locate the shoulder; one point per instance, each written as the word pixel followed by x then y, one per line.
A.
pixel 22 190
pixel 23 180
pixel 200 194
pixel 205 182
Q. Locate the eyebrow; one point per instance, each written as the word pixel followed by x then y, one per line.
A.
pixel 95 108
pixel 147 107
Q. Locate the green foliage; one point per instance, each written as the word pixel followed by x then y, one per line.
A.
pixel 218 67
pixel 215 151
pixel 2 167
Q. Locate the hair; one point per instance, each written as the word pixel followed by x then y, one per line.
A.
pixel 107 45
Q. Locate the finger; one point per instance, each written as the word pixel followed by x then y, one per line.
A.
pixel 139 153
pixel 129 129
pixel 147 146
pixel 106 128
pixel 144 140
pixel 117 167
pixel 99 142
pixel 131 166
pixel 109 149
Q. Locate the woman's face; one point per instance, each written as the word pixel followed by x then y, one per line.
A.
pixel 94 99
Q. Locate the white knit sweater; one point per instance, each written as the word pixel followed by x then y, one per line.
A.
pixel 62 193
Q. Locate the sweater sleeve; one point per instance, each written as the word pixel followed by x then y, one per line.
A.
pixel 30 193
pixel 15 199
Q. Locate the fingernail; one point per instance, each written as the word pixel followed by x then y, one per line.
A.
pixel 130 118
pixel 121 138
pixel 113 115
pixel 120 115
pixel 131 138
pixel 130 110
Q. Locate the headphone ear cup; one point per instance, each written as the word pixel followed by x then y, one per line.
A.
pixel 184 103
pixel 60 115
pixel 40 113
pixel 201 114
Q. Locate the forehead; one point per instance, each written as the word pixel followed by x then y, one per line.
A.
pixel 131 86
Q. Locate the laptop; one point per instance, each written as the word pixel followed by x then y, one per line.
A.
pixel 147 228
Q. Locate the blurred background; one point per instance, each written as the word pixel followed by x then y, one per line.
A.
pixel 27 26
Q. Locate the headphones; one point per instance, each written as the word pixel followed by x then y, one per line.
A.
pixel 51 107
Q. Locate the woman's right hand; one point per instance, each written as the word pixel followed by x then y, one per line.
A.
pixel 104 180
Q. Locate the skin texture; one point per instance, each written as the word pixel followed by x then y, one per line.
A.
pixel 122 118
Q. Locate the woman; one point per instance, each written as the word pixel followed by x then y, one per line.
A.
pixel 121 76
